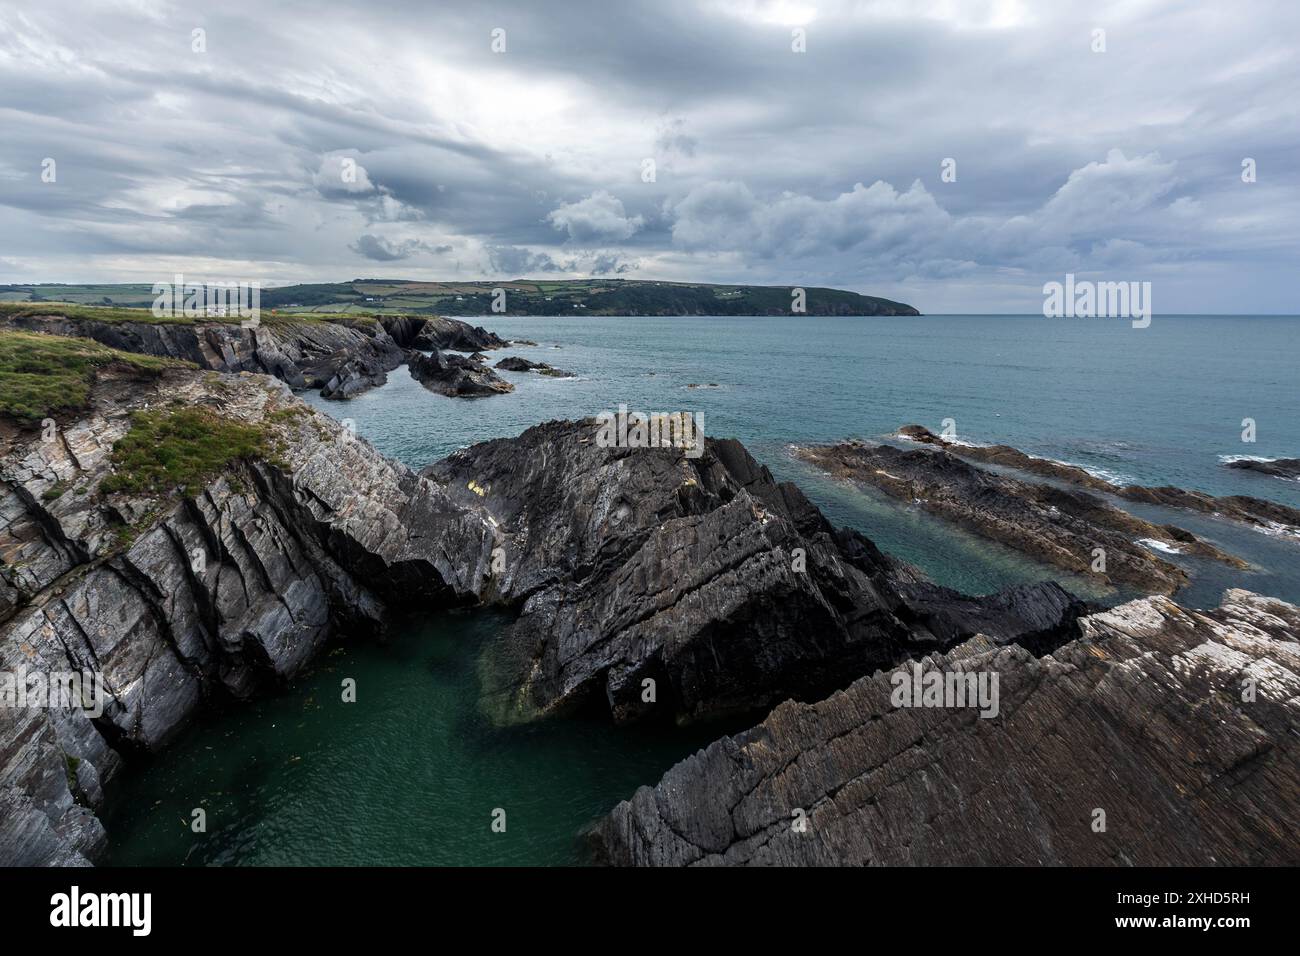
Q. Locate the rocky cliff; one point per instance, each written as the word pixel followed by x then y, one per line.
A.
pixel 1161 736
pixel 179 601
pixel 688 572
pixel 340 355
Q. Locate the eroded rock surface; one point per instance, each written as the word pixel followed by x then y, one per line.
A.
pixel 1141 717
pixel 728 590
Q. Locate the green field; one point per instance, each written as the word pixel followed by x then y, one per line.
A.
pixel 523 297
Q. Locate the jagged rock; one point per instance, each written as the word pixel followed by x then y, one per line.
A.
pixel 1278 467
pixel 439 332
pixel 1059 526
pixel 343 357
pixel 1141 717
pixel 456 376
pixel 215 596
pixel 728 590
pixel 1269 516
pixel 513 363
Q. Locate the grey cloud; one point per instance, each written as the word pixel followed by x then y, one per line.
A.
pixel 598 217
pixel 822 166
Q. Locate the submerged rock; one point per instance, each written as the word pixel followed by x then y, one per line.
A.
pixel 1059 526
pixel 657 585
pixel 456 376
pixel 1265 515
pixel 1160 737
pixel 513 363
pixel 1278 467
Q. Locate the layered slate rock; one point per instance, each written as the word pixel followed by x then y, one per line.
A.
pixel 1060 526
pixel 439 332
pixel 1268 516
pixel 178 602
pixel 727 590
pixel 513 363
pixel 456 376
pixel 341 357
pixel 1145 717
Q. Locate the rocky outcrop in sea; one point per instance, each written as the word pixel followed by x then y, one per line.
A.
pixel 1276 467
pixel 456 376
pixel 661 585
pixel 513 363
pixel 1059 526
pixel 1265 515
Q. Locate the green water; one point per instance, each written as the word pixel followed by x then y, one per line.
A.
pixel 409 774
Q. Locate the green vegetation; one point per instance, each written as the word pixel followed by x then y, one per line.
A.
pixel 55 491
pixel 335 301
pixel 570 297
pixel 43 375
pixel 108 313
pixel 180 449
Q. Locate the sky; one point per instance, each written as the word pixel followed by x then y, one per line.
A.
pixel 953 155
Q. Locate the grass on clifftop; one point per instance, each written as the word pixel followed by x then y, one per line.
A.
pixel 43 375
pixel 107 313
pixel 180 448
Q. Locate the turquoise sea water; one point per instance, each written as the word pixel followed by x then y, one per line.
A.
pixel 411 773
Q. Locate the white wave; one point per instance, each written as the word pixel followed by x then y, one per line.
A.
pixel 1228 459
pixel 1156 545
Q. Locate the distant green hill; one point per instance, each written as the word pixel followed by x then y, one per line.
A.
pixel 523 297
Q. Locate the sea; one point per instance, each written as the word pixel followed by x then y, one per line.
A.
pixel 413 773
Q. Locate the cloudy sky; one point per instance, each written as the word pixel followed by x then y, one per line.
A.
pixel 319 141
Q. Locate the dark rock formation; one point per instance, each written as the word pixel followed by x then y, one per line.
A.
pixel 1144 717
pixel 1061 527
pixel 1278 467
pixel 214 596
pixel 726 589
pixel 513 363
pixel 340 357
pixel 456 376
pixel 438 332
pixel 1265 515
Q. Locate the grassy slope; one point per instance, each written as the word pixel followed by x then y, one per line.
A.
pixel 44 375
pixel 180 449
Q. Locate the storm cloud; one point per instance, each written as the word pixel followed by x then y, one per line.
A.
pixel 952 155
